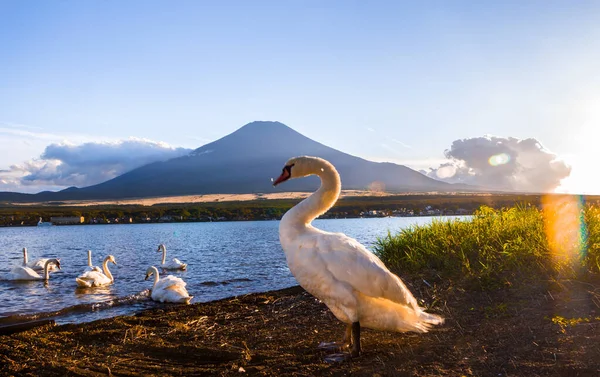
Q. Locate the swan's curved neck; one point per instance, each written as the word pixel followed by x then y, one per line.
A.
pixel 47 269
pixel 25 260
pixel 155 276
pixel 321 200
pixel 106 270
pixel 90 258
pixel 164 251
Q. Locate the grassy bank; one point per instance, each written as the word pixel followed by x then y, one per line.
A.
pixel 562 238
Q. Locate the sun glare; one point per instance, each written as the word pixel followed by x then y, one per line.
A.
pixel 565 229
pixel 584 163
pixel 499 159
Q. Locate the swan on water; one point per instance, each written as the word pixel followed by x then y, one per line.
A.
pixel 91 267
pixel 94 278
pixel 338 270
pixel 27 273
pixel 173 264
pixel 36 264
pixel 168 289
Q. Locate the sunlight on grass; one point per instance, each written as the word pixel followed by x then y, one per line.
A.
pixel 493 246
pixel 565 229
pixel 563 322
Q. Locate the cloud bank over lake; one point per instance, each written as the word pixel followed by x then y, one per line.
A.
pixel 65 164
pixel 503 163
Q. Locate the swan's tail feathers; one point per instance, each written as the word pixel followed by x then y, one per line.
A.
pixel 432 319
pixel 425 321
pixel 382 314
pixel 188 299
pixel 83 283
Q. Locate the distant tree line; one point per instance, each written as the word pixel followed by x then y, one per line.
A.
pixel 11 215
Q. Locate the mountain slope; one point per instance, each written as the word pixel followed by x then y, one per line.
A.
pixel 244 162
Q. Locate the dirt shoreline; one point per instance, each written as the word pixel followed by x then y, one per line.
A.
pixel 508 332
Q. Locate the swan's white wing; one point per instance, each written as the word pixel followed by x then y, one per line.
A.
pixel 174 264
pixel 23 273
pixel 93 268
pixel 350 262
pixel 39 264
pixel 170 289
pixel 169 281
pixel 176 293
pixel 93 278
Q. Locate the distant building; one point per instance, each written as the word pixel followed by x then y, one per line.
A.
pixel 67 220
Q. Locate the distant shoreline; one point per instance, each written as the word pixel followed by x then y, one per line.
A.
pixel 213 198
pixel 272 206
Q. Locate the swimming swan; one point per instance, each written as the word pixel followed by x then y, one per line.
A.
pixel 95 278
pixel 37 264
pixel 90 267
pixel 27 273
pixel 173 264
pixel 168 289
pixel 338 270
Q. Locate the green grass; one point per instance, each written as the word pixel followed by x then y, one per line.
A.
pixel 494 246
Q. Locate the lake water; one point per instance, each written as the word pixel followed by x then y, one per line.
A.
pixel 224 259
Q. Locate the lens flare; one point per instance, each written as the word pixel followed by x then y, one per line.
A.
pixel 565 230
pixel 499 159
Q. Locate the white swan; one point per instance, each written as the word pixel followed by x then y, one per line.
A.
pixel 338 270
pixel 42 223
pixel 95 278
pixel 173 264
pixel 37 264
pixel 168 289
pixel 27 273
pixel 90 267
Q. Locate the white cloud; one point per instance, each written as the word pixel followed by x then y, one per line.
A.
pixel 65 164
pixel 502 163
pixel 401 143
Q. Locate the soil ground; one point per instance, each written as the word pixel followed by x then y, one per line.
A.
pixel 546 329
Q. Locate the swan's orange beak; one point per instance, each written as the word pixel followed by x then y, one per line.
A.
pixel 285 175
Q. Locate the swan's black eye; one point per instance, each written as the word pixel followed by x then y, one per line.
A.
pixel 287 168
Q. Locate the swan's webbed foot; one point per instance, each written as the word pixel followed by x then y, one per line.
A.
pixel 338 357
pixel 351 339
pixel 337 346
pixel 333 346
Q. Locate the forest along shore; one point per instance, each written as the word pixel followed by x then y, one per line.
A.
pixel 537 330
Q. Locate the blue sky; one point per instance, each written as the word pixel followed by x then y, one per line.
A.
pixel 384 80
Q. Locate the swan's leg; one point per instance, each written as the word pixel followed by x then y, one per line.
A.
pixel 348 335
pixel 351 337
pixel 355 339
pixel 346 340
